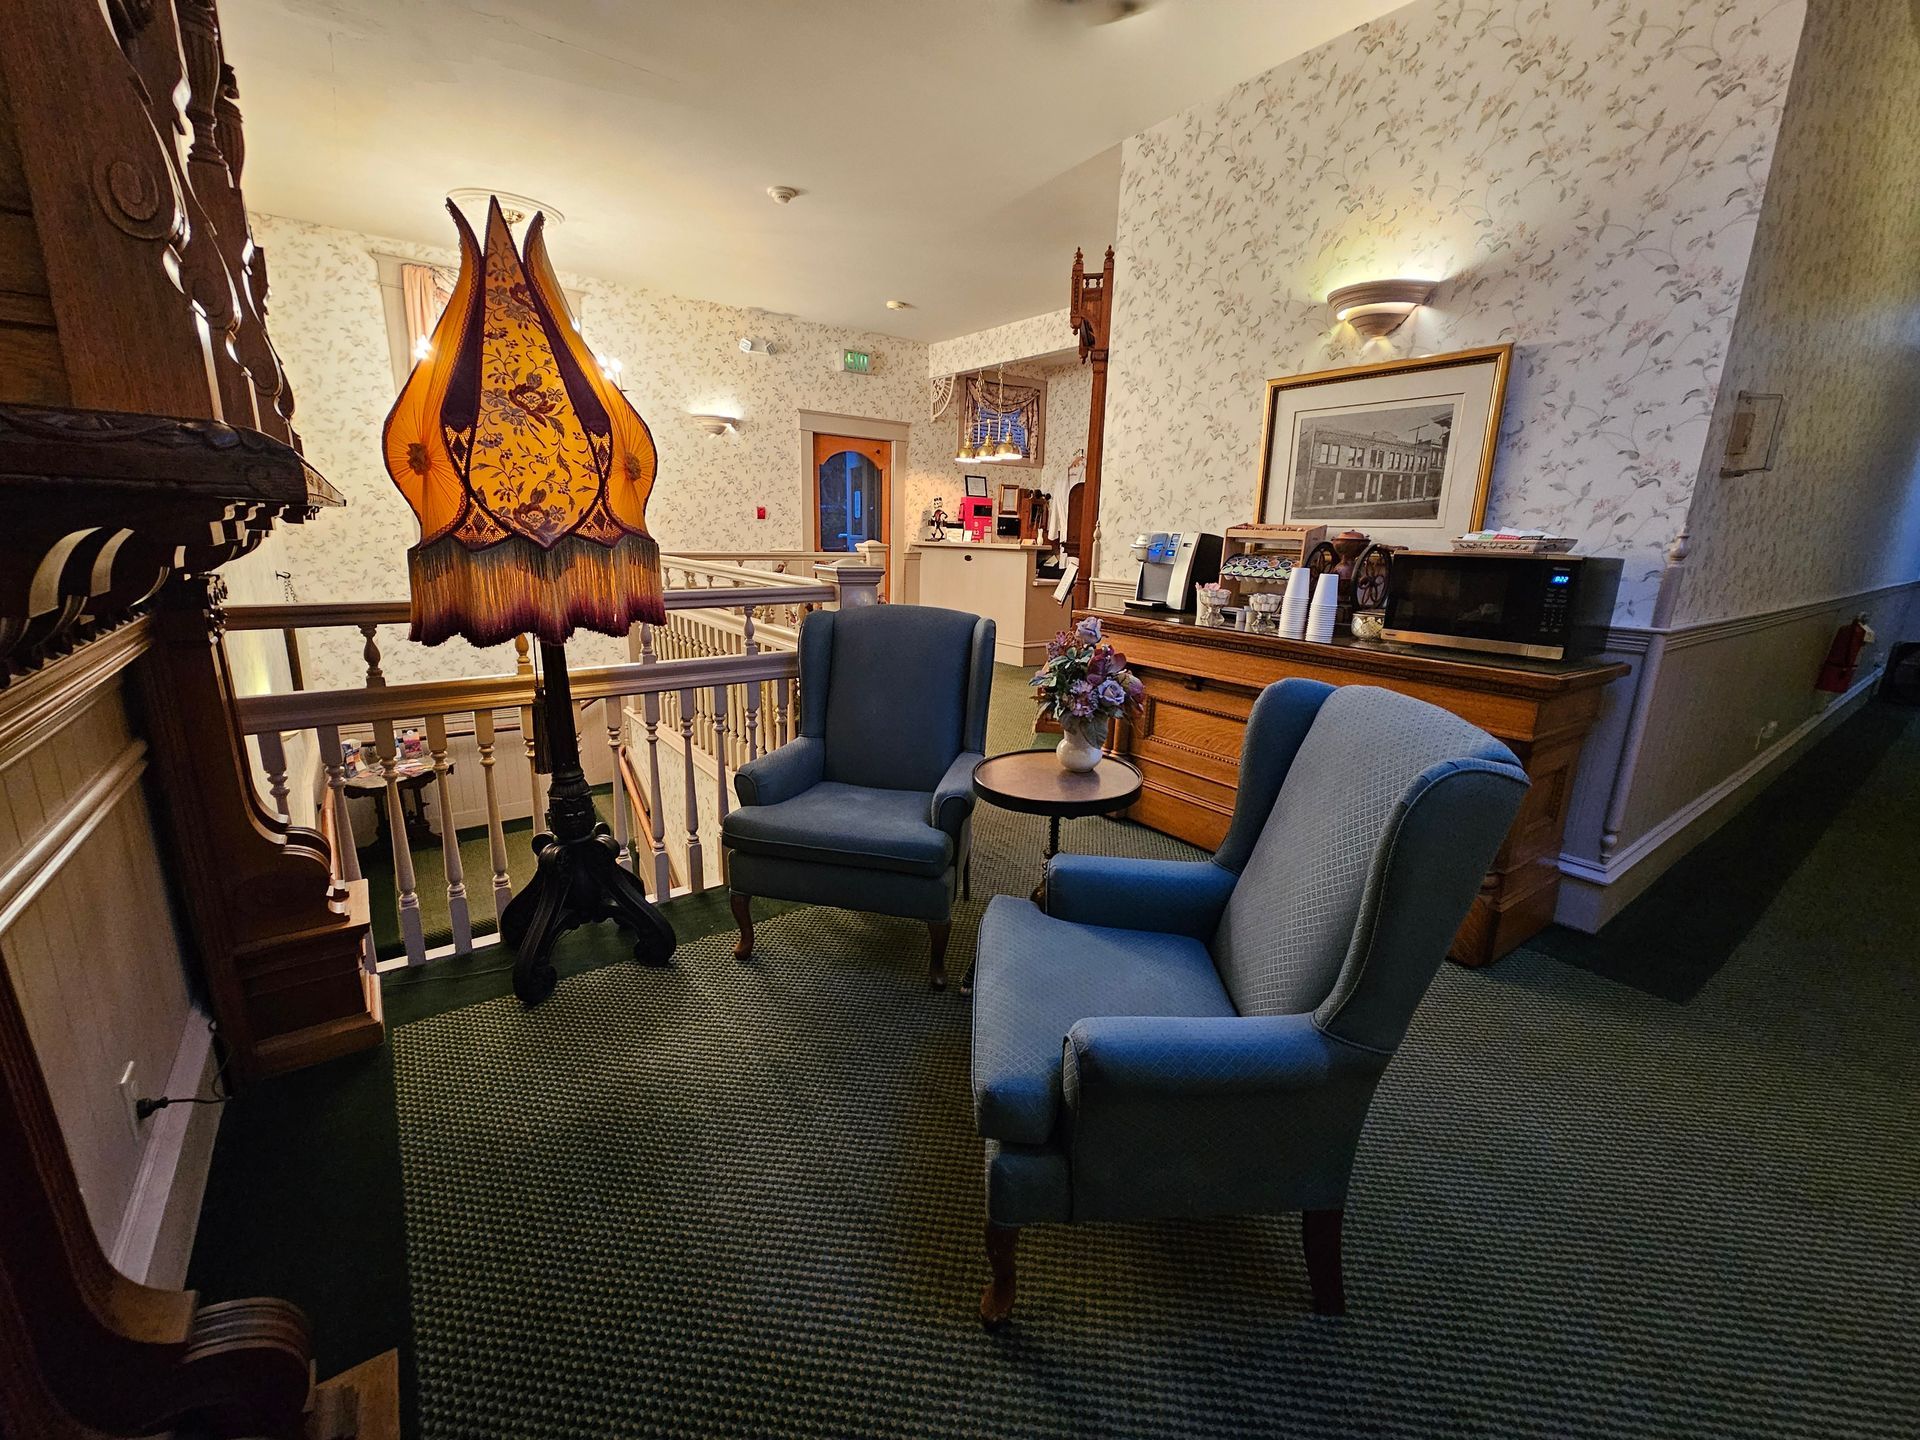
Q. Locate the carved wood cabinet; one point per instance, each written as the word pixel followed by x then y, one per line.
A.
pixel 1201 684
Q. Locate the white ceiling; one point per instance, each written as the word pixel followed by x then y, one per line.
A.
pixel 951 152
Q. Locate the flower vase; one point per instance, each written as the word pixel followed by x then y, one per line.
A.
pixel 1079 747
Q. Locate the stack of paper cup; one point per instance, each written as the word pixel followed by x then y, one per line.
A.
pixel 1293 605
pixel 1326 605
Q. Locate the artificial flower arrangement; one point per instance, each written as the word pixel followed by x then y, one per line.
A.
pixel 1084 684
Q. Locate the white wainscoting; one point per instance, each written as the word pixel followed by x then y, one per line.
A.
pixel 1702 755
pixel 89 944
pixel 1110 595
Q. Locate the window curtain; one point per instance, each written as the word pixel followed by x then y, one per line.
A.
pixel 424 291
pixel 990 409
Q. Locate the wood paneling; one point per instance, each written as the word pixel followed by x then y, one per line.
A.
pixel 97 967
pixel 1201 684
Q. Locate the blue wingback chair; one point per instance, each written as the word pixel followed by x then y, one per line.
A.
pixel 1183 1038
pixel 871 806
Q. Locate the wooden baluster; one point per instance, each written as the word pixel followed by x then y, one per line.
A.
pixel 656 812
pixel 449 837
pixel 273 759
pixel 610 713
pixel 696 877
pixel 782 713
pixel 370 652
pixel 403 880
pixel 346 855
pixel 720 708
pixel 496 831
pixel 539 799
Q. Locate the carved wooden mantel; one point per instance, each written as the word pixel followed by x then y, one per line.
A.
pixel 105 516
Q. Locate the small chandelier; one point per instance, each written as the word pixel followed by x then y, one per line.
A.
pixel 1004 449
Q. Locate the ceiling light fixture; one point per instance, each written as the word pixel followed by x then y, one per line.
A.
pixel 718 424
pixel 1378 307
pixel 1004 450
pixel 781 194
pixel 900 305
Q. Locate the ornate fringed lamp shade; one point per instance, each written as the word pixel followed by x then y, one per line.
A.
pixel 529 473
pixel 527 468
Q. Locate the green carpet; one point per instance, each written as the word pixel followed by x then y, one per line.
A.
pixel 720 1200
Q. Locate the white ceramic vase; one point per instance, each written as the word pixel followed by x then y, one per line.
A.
pixel 1079 747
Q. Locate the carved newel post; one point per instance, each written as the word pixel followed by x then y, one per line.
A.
pixel 1090 311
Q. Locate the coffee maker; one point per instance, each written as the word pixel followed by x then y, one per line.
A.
pixel 1171 564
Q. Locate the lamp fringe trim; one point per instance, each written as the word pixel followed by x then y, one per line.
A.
pixel 518 588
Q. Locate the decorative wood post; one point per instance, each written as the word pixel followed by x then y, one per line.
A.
pixel 1090 310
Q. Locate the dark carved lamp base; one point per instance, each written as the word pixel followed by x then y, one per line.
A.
pixel 580 879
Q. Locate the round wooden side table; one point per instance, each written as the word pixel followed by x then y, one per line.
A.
pixel 1033 782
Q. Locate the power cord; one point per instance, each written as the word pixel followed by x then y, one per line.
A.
pixel 147 1106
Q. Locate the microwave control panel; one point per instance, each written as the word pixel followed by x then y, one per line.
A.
pixel 1554 600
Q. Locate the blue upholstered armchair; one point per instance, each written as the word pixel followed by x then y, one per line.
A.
pixel 871 807
pixel 1183 1038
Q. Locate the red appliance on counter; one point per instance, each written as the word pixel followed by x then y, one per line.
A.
pixel 976 514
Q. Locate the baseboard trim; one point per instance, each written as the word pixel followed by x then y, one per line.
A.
pixel 1600 890
pixel 156 1235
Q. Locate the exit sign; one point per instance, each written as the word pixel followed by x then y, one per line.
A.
pixel 859 362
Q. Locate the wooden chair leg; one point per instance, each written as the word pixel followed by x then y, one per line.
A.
pixel 1320 1243
pixel 743 917
pixel 937 932
pixel 996 1301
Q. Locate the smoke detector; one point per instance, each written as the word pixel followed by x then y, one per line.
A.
pixel 781 194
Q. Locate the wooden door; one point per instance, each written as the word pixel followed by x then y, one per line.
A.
pixel 852 483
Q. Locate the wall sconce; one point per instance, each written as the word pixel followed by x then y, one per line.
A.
pixel 1377 307
pixel 717 424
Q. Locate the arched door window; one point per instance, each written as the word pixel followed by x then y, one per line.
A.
pixel 849 491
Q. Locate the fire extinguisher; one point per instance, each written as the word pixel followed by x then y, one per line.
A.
pixel 1843 656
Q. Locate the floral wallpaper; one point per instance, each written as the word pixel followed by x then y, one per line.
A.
pixel 1069 391
pixel 679 357
pixel 1831 321
pixel 1004 344
pixel 1582 175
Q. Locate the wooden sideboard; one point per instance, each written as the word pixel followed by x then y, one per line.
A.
pixel 1201 683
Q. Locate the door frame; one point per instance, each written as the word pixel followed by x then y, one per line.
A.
pixel 860 427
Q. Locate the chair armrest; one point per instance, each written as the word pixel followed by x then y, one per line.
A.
pixel 782 774
pixel 1172 897
pixel 953 797
pixel 1207 1057
pixel 1207 1116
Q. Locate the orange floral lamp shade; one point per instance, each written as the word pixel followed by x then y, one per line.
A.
pixel 528 470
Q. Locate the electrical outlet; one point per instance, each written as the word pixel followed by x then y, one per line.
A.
pixel 130 1098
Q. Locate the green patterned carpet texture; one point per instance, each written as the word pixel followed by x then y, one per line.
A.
pixel 727 1200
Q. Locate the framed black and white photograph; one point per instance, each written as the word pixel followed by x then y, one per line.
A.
pixel 1402 450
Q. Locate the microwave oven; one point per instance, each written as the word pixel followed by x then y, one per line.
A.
pixel 1544 607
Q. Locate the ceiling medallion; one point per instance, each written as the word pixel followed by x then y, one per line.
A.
pixel 516 210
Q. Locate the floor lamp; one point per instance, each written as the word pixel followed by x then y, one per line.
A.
pixel 529 472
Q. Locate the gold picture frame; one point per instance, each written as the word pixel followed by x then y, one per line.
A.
pixel 1402 449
